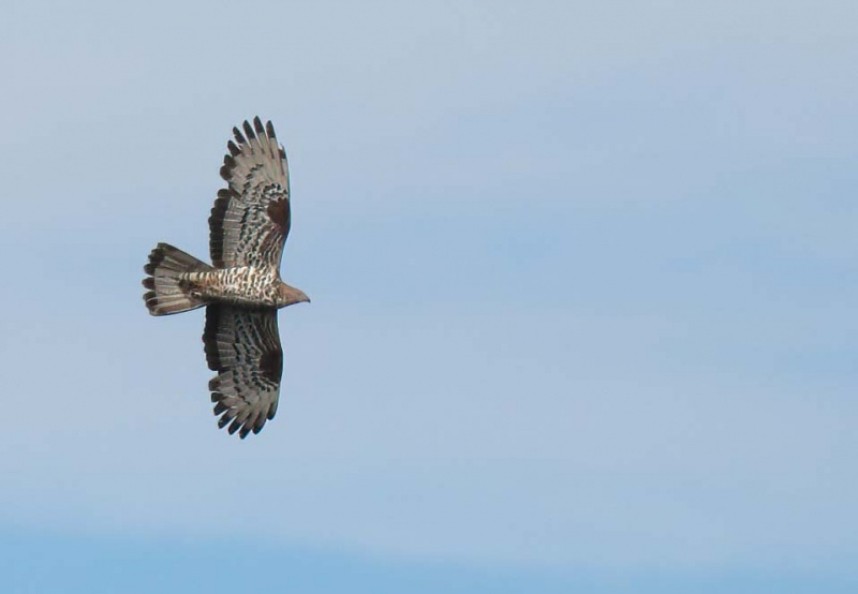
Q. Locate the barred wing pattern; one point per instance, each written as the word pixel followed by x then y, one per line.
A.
pixel 243 346
pixel 251 217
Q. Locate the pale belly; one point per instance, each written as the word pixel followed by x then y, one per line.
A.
pixel 246 286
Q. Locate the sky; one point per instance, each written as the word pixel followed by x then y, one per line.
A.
pixel 583 281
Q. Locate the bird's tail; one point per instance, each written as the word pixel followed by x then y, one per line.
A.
pixel 168 292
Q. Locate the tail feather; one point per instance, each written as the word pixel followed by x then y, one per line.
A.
pixel 167 294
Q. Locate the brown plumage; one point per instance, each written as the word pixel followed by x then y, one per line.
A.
pixel 242 289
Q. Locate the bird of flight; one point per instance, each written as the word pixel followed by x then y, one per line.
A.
pixel 242 289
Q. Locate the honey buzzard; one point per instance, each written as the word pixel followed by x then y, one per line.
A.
pixel 241 290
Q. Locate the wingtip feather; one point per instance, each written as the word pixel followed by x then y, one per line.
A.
pixel 248 131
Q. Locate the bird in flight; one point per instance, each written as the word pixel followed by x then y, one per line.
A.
pixel 241 290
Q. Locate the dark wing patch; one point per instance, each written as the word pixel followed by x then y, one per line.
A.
pixel 250 219
pixel 278 212
pixel 243 346
pixel 271 365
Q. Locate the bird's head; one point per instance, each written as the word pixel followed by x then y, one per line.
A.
pixel 288 295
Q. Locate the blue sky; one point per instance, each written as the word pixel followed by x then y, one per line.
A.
pixel 583 282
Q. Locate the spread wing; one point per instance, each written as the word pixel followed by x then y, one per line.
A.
pixel 243 346
pixel 251 217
